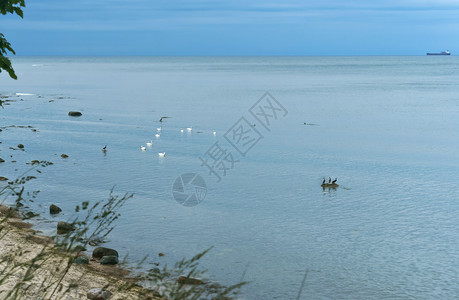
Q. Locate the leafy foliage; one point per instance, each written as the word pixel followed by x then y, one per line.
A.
pixel 9 7
pixel 12 7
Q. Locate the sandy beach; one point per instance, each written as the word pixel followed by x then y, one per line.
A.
pixel 32 267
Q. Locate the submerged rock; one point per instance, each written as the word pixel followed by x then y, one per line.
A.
pixel 75 113
pixel 109 260
pixel 54 209
pixel 81 260
pixel 99 252
pixel 98 294
pixel 30 214
pixel 188 280
pixel 329 185
pixel 64 227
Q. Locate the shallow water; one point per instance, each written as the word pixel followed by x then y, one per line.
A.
pixel 385 126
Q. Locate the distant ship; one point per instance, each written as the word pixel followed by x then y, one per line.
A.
pixel 441 53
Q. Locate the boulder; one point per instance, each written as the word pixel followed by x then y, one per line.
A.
pixel 98 294
pixel 109 260
pixel 75 113
pixel 54 209
pixel 99 252
pixel 64 227
pixel 81 260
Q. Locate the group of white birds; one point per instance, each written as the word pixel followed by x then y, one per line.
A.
pixel 158 134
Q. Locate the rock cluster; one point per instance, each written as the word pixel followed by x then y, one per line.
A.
pixel 107 256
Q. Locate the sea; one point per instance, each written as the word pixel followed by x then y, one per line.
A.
pixel 245 178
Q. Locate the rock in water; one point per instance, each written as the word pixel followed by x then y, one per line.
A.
pixel 75 113
pixel 2 160
pixel 64 227
pixel 3 178
pixel 53 209
pixel 99 252
pixel 188 280
pixel 81 260
pixel 21 146
pixel 109 260
pixel 63 155
pixel 98 294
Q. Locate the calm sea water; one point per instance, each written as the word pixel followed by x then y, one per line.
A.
pixel 386 127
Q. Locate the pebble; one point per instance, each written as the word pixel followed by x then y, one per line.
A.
pixel 98 294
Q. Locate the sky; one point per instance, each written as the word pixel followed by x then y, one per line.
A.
pixel 234 27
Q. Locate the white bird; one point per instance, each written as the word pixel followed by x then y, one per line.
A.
pixel 143 148
pixel 181 130
pixel 158 129
pixel 189 128
pixel 162 154
pixel 214 132
pixel 149 144
pixel 157 135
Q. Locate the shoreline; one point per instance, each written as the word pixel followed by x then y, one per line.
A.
pixel 23 250
pixel 30 262
pixel 32 265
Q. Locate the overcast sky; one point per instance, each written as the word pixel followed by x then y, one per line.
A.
pixel 234 27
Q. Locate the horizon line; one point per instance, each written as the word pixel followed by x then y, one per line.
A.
pixel 191 55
